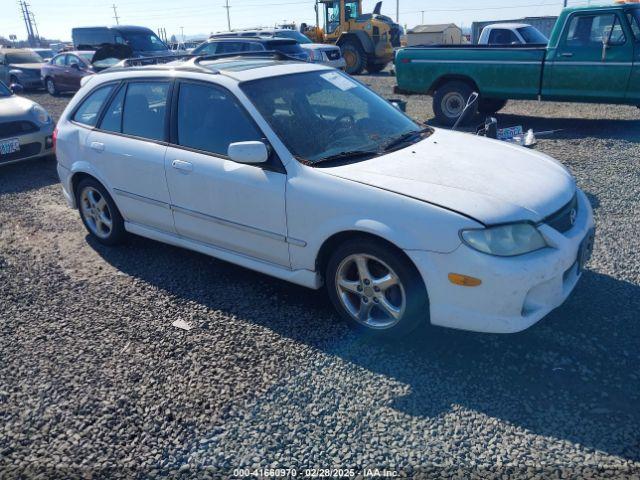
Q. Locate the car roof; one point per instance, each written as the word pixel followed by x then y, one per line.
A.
pixel 240 68
pixel 508 25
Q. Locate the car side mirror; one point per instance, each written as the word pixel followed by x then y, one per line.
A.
pixel 16 88
pixel 248 152
pixel 75 66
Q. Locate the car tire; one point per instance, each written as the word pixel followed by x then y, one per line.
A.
pixel 386 298
pixel 449 101
pixel 375 67
pixel 99 213
pixel 50 85
pixel 488 106
pixel 354 57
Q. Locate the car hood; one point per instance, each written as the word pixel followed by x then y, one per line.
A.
pixel 26 66
pixel 15 107
pixel 488 180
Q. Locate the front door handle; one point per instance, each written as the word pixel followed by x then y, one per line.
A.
pixel 97 146
pixel 566 54
pixel 181 165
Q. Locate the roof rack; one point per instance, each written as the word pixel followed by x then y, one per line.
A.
pixel 271 54
pixel 142 61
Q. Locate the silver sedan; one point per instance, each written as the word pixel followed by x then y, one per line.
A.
pixel 26 129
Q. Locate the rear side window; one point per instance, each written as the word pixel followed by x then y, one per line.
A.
pixel 634 21
pixel 230 47
pixel 210 118
pixel 207 49
pixel 144 110
pixel 90 108
pixel 112 120
pixel 284 47
pixel 59 60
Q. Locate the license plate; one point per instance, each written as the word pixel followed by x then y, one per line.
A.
pixel 10 146
pixel 586 249
pixel 510 132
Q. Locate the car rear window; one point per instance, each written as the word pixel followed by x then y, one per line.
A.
pixel 284 47
pixel 89 110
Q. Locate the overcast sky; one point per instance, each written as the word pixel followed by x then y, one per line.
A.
pixel 55 18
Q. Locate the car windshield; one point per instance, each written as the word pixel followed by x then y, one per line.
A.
pixel 145 42
pixel 23 57
pixel 326 115
pixel 297 36
pixel 45 54
pixel 4 90
pixel 532 35
pixel 87 56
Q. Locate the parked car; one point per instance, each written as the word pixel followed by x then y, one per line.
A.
pixel 325 54
pixel 143 41
pixel 64 72
pixel 298 171
pixel 44 53
pixel 511 34
pixel 217 46
pixel 591 57
pixel 26 129
pixel 20 66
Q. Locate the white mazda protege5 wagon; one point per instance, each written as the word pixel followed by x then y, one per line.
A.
pixel 300 172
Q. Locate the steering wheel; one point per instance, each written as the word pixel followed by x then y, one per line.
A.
pixel 352 121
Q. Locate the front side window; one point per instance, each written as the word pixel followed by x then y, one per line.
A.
pixel 144 110
pixel 634 20
pixel 532 35
pixel 73 60
pixel 210 118
pixel 333 16
pixel 324 114
pixel 350 10
pixel 591 30
pixel 206 49
pixel 90 108
pixel 230 47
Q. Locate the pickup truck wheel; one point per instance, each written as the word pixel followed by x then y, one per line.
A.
pixel 491 105
pixel 376 289
pixel 449 102
pixel 354 57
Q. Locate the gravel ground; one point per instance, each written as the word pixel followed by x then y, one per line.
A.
pixel 94 380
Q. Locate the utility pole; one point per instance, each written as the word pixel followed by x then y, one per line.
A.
pixel 115 14
pixel 422 17
pixel 398 11
pixel 565 3
pixel 228 16
pixel 36 35
pixel 182 33
pixel 26 15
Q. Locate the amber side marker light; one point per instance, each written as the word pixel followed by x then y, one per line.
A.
pixel 464 280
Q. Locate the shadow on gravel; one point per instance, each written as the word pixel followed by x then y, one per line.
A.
pixel 28 175
pixel 566 378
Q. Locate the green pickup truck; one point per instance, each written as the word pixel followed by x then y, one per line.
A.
pixel 593 55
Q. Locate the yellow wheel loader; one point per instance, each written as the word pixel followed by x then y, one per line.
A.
pixel 366 40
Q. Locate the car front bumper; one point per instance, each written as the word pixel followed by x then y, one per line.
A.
pixel 515 292
pixel 32 145
pixel 339 63
pixel 30 82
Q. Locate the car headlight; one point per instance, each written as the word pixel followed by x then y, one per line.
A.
pixel 315 55
pixel 41 114
pixel 504 240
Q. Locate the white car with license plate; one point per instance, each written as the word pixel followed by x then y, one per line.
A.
pixel 301 172
pixel 26 129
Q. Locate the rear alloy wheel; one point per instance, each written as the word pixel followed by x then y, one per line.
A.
pixel 449 102
pixel 51 86
pixel 99 213
pixel 354 57
pixel 376 289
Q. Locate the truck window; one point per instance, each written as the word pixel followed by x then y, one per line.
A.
pixel 333 16
pixel 634 22
pixel 350 10
pixel 589 30
pixel 502 36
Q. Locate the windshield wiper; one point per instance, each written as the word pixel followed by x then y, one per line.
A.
pixel 403 138
pixel 347 156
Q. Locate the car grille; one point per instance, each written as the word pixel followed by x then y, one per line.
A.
pixel 563 219
pixel 10 129
pixel 26 150
pixel 333 54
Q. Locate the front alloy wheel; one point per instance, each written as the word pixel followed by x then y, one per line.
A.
pixel 376 288
pixel 370 291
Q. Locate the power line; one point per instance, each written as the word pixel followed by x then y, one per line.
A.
pixel 483 8
pixel 115 14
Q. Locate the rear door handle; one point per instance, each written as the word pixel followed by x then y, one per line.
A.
pixel 566 54
pixel 181 165
pixel 97 146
